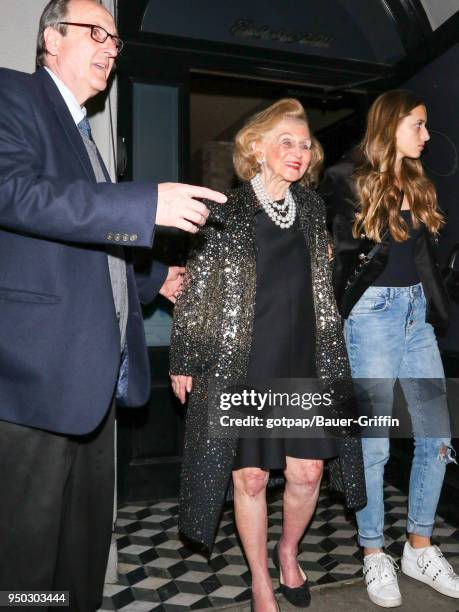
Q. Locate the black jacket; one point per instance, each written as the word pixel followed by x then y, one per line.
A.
pixel 353 270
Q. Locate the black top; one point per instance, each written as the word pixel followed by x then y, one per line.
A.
pixel 283 344
pixel 283 330
pixel 401 270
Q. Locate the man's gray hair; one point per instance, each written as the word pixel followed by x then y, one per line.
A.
pixel 54 11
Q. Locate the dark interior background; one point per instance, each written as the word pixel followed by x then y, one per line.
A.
pixel 205 67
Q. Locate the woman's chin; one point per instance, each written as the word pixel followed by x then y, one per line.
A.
pixel 292 176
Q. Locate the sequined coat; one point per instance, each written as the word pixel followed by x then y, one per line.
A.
pixel 211 341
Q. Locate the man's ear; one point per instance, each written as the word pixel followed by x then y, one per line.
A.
pixel 52 40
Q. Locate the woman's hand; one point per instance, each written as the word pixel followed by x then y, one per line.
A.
pixel 181 385
pixel 173 284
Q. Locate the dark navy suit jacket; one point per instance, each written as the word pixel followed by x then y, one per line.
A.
pixel 59 335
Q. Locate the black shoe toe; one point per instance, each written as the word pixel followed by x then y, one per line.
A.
pixel 297 596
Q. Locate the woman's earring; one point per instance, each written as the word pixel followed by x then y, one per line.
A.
pixel 261 161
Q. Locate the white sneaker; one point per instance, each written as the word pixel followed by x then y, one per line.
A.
pixel 428 565
pixel 381 580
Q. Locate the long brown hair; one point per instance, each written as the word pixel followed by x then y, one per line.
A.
pixel 377 188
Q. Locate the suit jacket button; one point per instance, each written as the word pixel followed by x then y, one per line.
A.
pixel 109 236
pixel 133 237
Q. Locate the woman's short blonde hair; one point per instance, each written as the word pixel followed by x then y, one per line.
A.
pixel 245 162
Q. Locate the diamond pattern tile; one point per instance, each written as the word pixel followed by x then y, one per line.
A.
pixel 158 572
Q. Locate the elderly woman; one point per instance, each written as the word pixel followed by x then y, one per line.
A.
pixel 258 303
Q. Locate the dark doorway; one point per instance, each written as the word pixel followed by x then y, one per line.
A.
pixel 220 104
pixel 202 112
pixel 198 79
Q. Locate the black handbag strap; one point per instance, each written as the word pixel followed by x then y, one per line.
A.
pixel 373 251
pixel 377 247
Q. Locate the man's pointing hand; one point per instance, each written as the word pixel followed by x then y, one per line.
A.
pixel 177 207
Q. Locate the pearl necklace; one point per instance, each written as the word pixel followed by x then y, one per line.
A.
pixel 282 214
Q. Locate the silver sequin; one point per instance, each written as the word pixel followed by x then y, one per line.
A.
pixel 211 341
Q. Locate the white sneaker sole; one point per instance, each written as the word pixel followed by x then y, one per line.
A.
pixel 409 569
pixel 385 603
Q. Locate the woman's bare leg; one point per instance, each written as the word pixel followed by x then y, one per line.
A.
pixel 302 486
pixel 252 525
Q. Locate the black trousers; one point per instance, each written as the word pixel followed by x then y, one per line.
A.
pixel 56 511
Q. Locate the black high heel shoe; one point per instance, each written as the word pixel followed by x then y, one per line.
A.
pixel 297 596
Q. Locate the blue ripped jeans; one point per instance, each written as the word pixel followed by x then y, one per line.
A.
pixel 387 338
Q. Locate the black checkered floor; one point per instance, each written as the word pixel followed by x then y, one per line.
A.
pixel 158 572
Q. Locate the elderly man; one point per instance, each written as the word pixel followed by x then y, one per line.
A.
pixel 71 333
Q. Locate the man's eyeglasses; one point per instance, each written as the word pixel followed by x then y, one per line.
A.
pixel 98 33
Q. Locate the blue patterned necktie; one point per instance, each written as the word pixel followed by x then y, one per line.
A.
pixel 122 383
pixel 85 128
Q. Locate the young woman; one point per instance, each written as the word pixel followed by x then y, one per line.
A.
pixel 383 214
pixel 258 303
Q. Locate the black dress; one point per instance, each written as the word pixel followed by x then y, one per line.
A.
pixel 283 336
